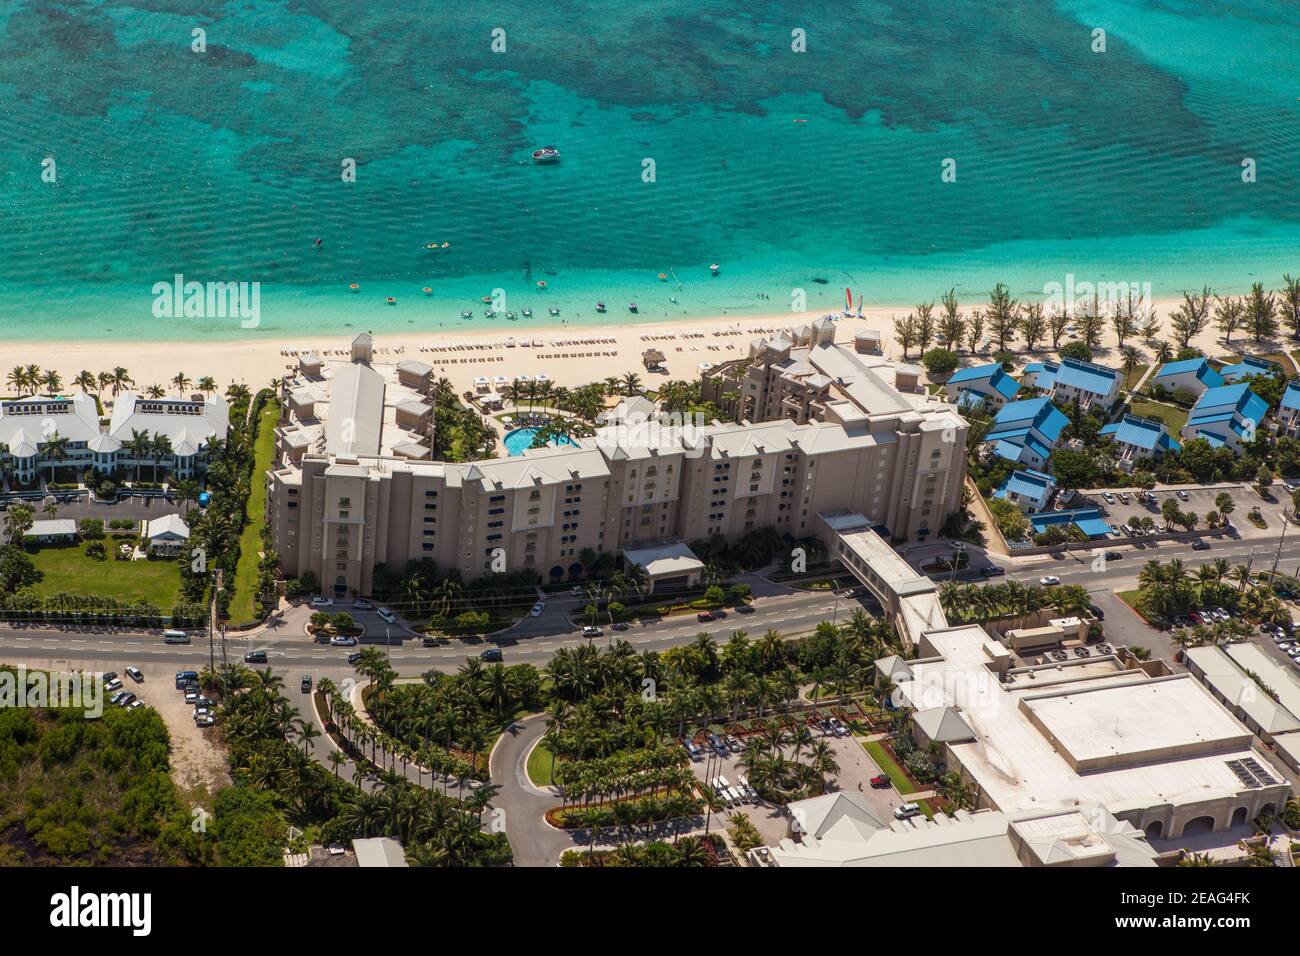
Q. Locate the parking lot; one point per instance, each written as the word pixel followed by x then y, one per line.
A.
pixel 772 822
pixel 134 508
pixel 1125 506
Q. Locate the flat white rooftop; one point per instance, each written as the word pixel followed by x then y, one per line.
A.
pixel 1016 764
pixel 1112 726
pixel 1280 680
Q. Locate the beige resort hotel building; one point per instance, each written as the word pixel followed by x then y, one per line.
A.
pixel 353 484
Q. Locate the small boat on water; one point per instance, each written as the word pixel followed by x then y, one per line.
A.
pixel 354 287
pixel 631 306
pixel 526 313
pixel 511 316
pixel 427 291
pixel 541 284
pixel 391 301
pixel 486 299
pixel 672 299
pixel 600 306
pixel 663 277
pixel 489 314
pixel 546 154
pixel 437 246
pixel 466 314
pixel 553 311
pixel 714 267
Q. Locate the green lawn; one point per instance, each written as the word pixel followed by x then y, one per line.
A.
pixel 539 765
pixel 1174 418
pixel 886 763
pixel 250 542
pixel 1134 377
pixel 68 569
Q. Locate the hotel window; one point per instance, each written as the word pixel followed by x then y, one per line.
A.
pixel 345 502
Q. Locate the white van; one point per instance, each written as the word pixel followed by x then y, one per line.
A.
pixel 176 637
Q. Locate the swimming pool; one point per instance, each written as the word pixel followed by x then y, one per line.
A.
pixel 521 439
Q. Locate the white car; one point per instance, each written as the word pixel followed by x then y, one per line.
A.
pixel 906 811
pixel 319 601
pixel 1049 581
pixel 343 640
pixel 590 631
pixel 387 616
pixel 537 609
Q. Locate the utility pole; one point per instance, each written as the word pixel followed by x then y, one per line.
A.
pixel 212 621
pixel 1277 556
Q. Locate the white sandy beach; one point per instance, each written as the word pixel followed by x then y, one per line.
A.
pixel 568 356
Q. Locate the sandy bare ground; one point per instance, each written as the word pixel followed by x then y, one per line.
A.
pixel 198 759
pixel 569 356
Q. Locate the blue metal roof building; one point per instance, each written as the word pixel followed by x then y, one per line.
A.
pixel 1226 416
pixel 1025 432
pixel 1149 435
pixel 1085 382
pixel 1026 488
pixel 1195 375
pixel 981 384
pixel 1248 366
pixel 1087 520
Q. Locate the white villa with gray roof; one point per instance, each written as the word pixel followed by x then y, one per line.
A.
pixel 173 434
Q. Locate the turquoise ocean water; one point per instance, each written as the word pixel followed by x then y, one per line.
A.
pixel 783 167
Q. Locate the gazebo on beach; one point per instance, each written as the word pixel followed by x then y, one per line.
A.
pixel 653 359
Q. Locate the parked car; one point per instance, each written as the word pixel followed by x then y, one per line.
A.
pixel 1096 612
pixel 880 781
pixel 705 616
pixel 207 720
pixel 112 685
pixel 1182 495
pixel 619 625
pixel 693 749
pixel 733 743
pixel 718 746
pixel 185 677
pixel 360 605
pixel 906 811
pixel 491 654
pixel 191 696
pixel 1049 581
pixel 135 704
pixel 591 631
pixel 387 616
pixel 117 697
pixel 1107 497
pixel 838 727
pixel 135 674
pixel 1122 496
pixel 343 640
pixel 319 601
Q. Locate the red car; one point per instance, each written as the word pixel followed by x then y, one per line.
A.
pixel 880 780
pixel 705 616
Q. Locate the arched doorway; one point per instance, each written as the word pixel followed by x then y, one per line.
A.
pixel 1156 829
pixel 1199 825
pixel 575 570
pixel 1240 815
pixel 557 572
pixel 341 584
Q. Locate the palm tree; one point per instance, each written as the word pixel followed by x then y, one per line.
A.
pixel 207 385
pixel 52 381
pixel 159 448
pixel 17 379
pixel 85 381
pixel 182 382
pixel 119 379
pixel 56 450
